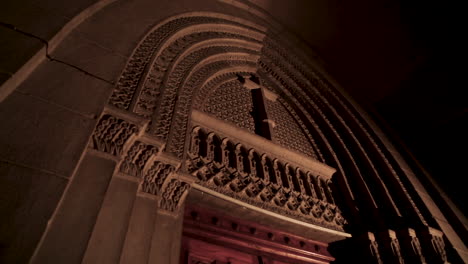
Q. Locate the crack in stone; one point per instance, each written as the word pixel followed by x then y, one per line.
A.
pixel 48 56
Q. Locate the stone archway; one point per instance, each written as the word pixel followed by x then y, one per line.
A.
pixel 136 157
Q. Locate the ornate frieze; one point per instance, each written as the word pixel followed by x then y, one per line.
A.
pixel 411 246
pixel 175 89
pixel 136 159
pixel 373 255
pixel 233 103
pixel 287 132
pixel 155 177
pixel 173 194
pixel 147 98
pixel 130 78
pixel 176 141
pixel 267 182
pixel 434 245
pixel 111 134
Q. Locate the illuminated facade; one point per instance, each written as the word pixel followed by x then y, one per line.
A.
pixel 221 140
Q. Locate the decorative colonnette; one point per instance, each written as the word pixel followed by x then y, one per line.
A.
pixel 228 167
pixel 121 136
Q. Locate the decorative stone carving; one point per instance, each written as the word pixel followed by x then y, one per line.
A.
pixel 176 141
pixel 151 89
pixel 233 103
pixel 390 246
pixel 176 91
pixel 411 247
pixel 155 177
pixel 287 132
pixel 172 195
pixel 373 254
pixel 127 84
pixel 434 245
pixel 111 134
pixel 136 159
pixel 276 188
pixel 306 105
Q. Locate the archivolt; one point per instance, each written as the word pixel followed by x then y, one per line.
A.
pixel 185 58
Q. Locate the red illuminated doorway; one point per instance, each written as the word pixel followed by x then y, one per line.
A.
pixel 210 237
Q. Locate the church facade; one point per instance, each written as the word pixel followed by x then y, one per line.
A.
pixel 207 134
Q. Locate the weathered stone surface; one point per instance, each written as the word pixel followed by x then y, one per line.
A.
pixel 90 57
pixel 40 21
pixel 40 134
pixel 140 231
pixel 74 90
pixel 70 230
pixel 15 49
pixel 165 245
pixel 28 198
pixel 109 232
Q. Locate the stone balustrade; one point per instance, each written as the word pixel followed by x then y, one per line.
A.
pixel 247 173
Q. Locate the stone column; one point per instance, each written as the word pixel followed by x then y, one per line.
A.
pixel 433 245
pixel 68 233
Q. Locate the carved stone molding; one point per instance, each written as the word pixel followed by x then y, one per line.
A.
pixel 373 253
pixel 243 173
pixel 137 157
pixel 128 82
pixel 410 246
pixel 232 102
pixel 189 62
pixel 390 246
pixel 155 177
pixel 433 244
pixel 116 131
pixel 173 195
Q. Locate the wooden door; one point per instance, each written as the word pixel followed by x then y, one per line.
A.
pixel 212 238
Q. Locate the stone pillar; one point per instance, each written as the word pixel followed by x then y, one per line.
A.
pixel 433 245
pixel 410 246
pixel 68 233
pixel 140 231
pixel 92 195
pixel 115 213
pixel 167 235
pixel 390 246
pixel 371 253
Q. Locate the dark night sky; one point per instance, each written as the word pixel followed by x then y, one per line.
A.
pixel 428 107
pixel 402 61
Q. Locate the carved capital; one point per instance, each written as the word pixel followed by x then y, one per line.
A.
pixel 173 195
pixel 111 134
pixel 155 177
pixel 390 246
pixel 410 246
pixel 136 159
pixel 433 244
pixel 373 254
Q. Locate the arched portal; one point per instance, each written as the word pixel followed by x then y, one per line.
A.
pixel 217 115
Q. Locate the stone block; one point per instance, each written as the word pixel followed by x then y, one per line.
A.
pixel 68 9
pixel 16 49
pixel 42 135
pixel 70 230
pixel 28 198
pixel 90 57
pixel 61 84
pixel 32 18
pixel 166 239
pixel 140 231
pixel 113 219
